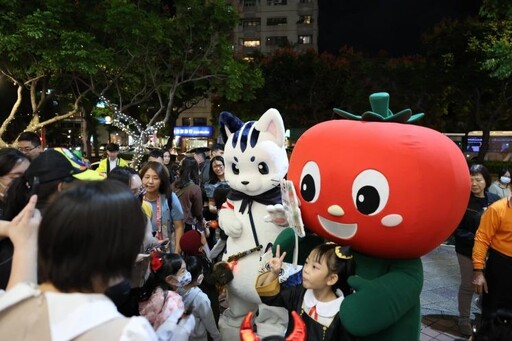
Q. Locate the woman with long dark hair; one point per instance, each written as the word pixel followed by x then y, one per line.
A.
pixel 167 213
pixel 216 178
pixel 189 193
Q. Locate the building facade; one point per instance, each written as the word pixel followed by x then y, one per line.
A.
pixel 194 128
pixel 266 25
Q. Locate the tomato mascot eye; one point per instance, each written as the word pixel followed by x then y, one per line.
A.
pixel 370 192
pixel 310 182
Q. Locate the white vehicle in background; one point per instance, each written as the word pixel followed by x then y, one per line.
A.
pixel 500 144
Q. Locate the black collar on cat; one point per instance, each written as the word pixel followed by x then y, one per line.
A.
pixel 270 197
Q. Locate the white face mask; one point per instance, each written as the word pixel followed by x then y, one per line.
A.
pixel 183 280
pixel 505 179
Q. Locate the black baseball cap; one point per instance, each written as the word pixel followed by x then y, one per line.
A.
pixel 59 163
pixel 112 147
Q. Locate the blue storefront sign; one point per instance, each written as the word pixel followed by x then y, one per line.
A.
pixel 194 131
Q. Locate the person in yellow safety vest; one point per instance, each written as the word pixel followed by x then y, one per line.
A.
pixel 112 161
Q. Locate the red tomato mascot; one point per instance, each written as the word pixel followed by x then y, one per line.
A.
pixel 394 192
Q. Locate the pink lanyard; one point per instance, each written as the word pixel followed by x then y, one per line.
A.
pixel 159 234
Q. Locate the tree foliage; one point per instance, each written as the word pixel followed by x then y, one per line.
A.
pixel 497 43
pixel 478 100
pixel 144 58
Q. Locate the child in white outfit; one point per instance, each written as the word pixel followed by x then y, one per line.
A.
pixel 195 299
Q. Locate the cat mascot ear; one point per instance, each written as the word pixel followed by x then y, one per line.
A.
pixel 272 123
pixel 229 123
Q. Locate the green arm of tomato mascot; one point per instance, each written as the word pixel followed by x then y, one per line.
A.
pixel 385 305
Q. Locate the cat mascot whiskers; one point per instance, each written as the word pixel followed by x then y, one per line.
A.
pixel 255 162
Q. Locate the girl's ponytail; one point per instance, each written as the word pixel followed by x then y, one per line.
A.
pixel 161 266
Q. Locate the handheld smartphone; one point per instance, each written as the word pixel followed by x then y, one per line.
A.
pixel 35 186
pixel 162 246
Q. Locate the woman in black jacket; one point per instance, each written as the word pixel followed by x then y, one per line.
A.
pixel 479 199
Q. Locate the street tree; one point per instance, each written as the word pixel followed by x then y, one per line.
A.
pixel 38 44
pixel 138 54
pixel 303 85
pixel 176 60
pixel 481 102
pixel 497 44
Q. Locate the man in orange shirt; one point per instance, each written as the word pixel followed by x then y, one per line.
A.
pixel 492 278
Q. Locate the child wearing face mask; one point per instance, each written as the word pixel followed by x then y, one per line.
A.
pixel 192 244
pixel 160 297
pixel 199 303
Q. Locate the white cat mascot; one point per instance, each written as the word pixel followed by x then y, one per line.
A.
pixel 255 162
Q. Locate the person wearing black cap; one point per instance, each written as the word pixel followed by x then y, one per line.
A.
pixel 112 161
pixel 46 175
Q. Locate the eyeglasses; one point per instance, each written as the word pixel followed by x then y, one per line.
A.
pixel 26 149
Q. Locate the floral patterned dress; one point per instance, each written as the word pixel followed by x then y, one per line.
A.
pixel 160 306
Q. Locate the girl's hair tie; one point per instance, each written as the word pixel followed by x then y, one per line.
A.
pixel 340 254
pixel 156 261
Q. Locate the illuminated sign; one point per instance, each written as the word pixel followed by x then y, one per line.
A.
pixel 194 131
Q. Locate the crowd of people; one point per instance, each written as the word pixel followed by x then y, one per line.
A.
pixel 142 272
pixel 122 253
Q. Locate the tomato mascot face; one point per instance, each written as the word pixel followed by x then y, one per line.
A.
pixel 389 190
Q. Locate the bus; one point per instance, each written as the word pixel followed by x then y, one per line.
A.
pixel 500 144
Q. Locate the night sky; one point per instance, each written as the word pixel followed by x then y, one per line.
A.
pixel 392 25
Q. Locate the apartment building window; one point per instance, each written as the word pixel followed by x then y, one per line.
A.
pixel 276 21
pixel 251 43
pixel 200 121
pixel 249 3
pixel 277 2
pixel 277 41
pixel 251 22
pixel 305 40
pixel 185 121
pixel 305 19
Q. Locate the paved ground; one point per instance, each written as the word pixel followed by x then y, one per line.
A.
pixel 439 296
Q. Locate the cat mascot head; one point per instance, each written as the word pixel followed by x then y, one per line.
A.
pixel 254 154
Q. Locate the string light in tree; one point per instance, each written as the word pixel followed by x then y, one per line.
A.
pixel 134 129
